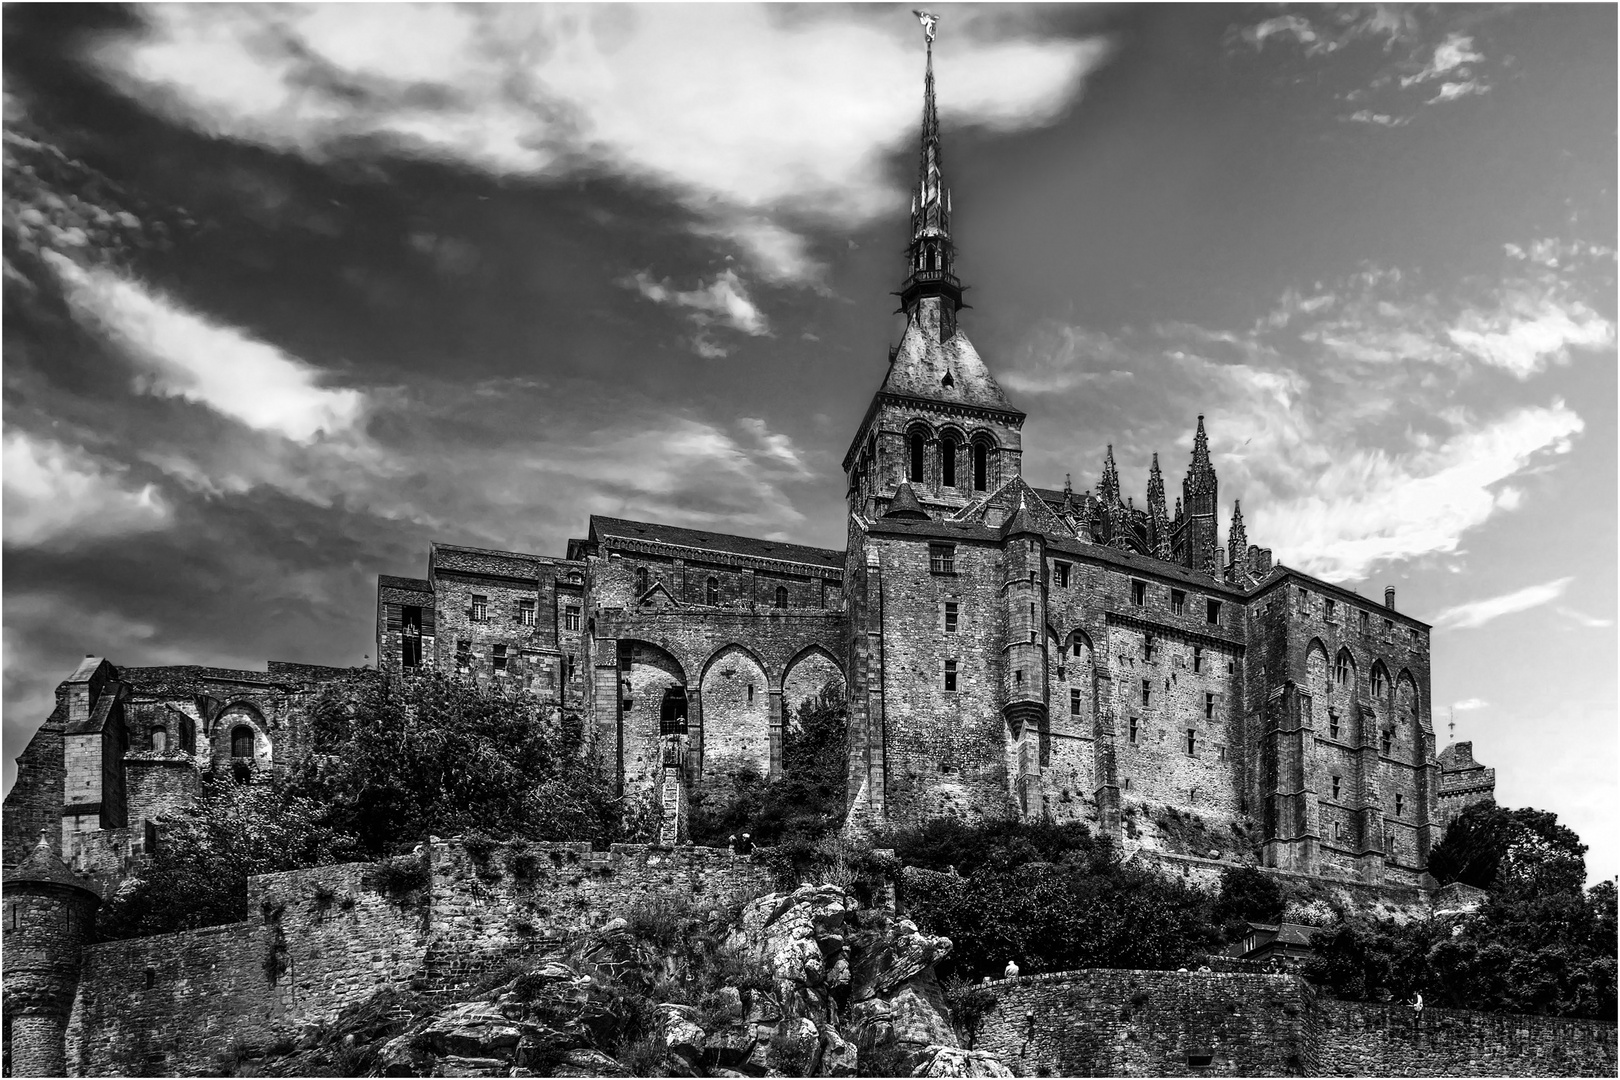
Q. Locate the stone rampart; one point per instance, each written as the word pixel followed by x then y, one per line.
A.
pixel 319 939
pixel 1162 1023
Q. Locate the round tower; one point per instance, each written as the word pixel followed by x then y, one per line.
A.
pixel 1024 652
pixel 49 919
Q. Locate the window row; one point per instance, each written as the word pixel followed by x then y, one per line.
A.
pixel 1178 601
pixel 1305 603
pixel 478 611
pixel 951 445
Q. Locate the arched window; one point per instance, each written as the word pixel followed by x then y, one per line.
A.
pixel 1380 681
pixel 241 741
pixel 712 592
pixel 781 596
pixel 641 580
pixel 914 457
pixel 981 467
pixel 160 740
pixel 947 460
pixel 1342 669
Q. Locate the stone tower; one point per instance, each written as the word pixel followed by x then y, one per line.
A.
pixel 49 919
pixel 1193 534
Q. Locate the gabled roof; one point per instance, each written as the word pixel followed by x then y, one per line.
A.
pixel 606 529
pixel 922 362
pixel 1024 508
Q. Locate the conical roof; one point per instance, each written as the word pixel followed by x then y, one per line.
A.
pixel 43 866
pixel 905 504
pixel 946 371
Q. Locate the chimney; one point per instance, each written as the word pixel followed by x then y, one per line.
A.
pixel 1389 597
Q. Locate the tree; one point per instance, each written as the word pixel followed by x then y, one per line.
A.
pixel 1492 847
pixel 1247 895
pixel 398 760
pixel 198 874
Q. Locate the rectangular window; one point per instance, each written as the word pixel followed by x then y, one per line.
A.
pixel 410 636
pixel 480 608
pixel 1074 703
pixel 1397 806
pixel 1062 569
pixel 498 657
pixel 1178 602
pixel 463 656
pixel 950 676
pixel 1212 611
pixel 525 612
pixel 1329 609
pixel 1335 787
pixel 1198 659
pixel 570 618
pixel 1147 647
pixel 1133 729
pixel 1389 627
pixel 1209 705
pixel 950 616
pixel 1192 741
pixel 1365 622
pixel 1304 601
pixel 1018 677
pixel 1386 742
pixel 1338 830
pixel 942 558
pixel 1147 692
pixel 1139 593
pixel 1333 724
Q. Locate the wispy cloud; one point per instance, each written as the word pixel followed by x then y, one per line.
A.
pixel 1469 704
pixel 60 495
pixel 1477 613
pixel 722 302
pixel 648 92
pixel 183 354
pixel 1581 618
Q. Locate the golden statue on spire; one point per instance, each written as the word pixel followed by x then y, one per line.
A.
pixel 929 21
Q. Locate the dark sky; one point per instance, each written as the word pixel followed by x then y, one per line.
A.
pixel 292 291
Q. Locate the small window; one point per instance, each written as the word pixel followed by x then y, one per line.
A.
pixel 526 612
pixel 1389 627
pixel 1178 602
pixel 711 592
pixel 498 657
pixel 160 740
pixel 1387 740
pixel 641 580
pixel 241 741
pixel 570 618
pixel 1338 830
pixel 950 616
pixel 781 596
pixel 947 455
pixel 1212 611
pixel 1341 669
pixel 750 693
pixel 1074 703
pixel 672 713
pixel 1304 601
pixel 942 558
pixel 1147 647
pixel 1198 659
pixel 463 656
pixel 1333 724
pixel 1018 677
pixel 1147 692
pixel 480 608
pixel 1209 705
pixel 1365 621
pixel 1378 681
pixel 950 676
pixel 1139 593
pixel 1335 787
pixel 916 445
pixel 1397 806
pixel 410 636
pixel 1192 741
pixel 1128 779
pixel 1133 735
pixel 1062 570
pixel 1329 610
pixel 981 467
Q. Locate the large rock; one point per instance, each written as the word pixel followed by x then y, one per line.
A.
pixel 839 1056
pixel 795 1048
pixel 954 1061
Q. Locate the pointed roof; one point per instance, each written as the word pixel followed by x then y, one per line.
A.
pixel 905 504
pixel 944 371
pixel 42 866
pixel 1155 484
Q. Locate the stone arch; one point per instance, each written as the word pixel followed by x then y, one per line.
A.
pixel 918 435
pixel 1404 714
pixel 1379 685
pixel 1080 674
pixel 813 667
pixel 952 441
pixel 648 673
pixel 226 736
pixel 982 460
pixel 736 715
pixel 1318 683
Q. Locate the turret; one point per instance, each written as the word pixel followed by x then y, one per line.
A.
pixel 1024 676
pixel 1238 544
pixel 49 919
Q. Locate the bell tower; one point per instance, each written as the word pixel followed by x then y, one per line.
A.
pixel 939 423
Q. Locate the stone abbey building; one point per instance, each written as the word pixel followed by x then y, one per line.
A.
pixel 1005 649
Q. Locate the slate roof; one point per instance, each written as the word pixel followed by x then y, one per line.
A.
pixel 42 865
pixel 905 504
pixel 409 584
pixel 922 361
pixel 606 528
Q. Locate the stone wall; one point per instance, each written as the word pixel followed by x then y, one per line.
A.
pixel 317 940
pixel 1162 1023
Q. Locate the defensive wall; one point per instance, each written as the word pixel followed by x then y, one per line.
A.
pixel 1165 1023
pixel 317 940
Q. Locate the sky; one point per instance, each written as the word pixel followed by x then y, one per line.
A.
pixel 291 292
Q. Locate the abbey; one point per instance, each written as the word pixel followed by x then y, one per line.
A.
pixel 1005 649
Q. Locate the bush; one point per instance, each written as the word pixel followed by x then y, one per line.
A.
pixel 969 1003
pixel 947 844
pixel 402 876
pixel 1248 894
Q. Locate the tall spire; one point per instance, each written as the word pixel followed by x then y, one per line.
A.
pixel 1237 542
pixel 1200 455
pixel 1108 487
pixel 931 257
pixel 1158 519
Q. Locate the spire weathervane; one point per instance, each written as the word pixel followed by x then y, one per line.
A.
pixel 931 257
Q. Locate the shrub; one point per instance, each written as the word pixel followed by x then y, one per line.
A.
pixel 402 876
pixel 969 1003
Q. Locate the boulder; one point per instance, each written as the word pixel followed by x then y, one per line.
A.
pixel 728 1047
pixel 954 1061
pixel 795 1048
pixel 838 1055
pixel 587 1062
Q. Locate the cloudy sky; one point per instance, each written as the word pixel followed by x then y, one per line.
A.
pixel 290 292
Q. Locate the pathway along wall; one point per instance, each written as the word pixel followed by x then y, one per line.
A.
pixel 1164 1023
pixel 317 940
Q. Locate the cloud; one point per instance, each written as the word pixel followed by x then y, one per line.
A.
pixel 1581 618
pixel 724 301
pixel 183 354
pixel 1529 330
pixel 1469 704
pixel 56 494
pixel 1452 53
pixel 650 93
pixel 1367 116
pixel 1477 613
